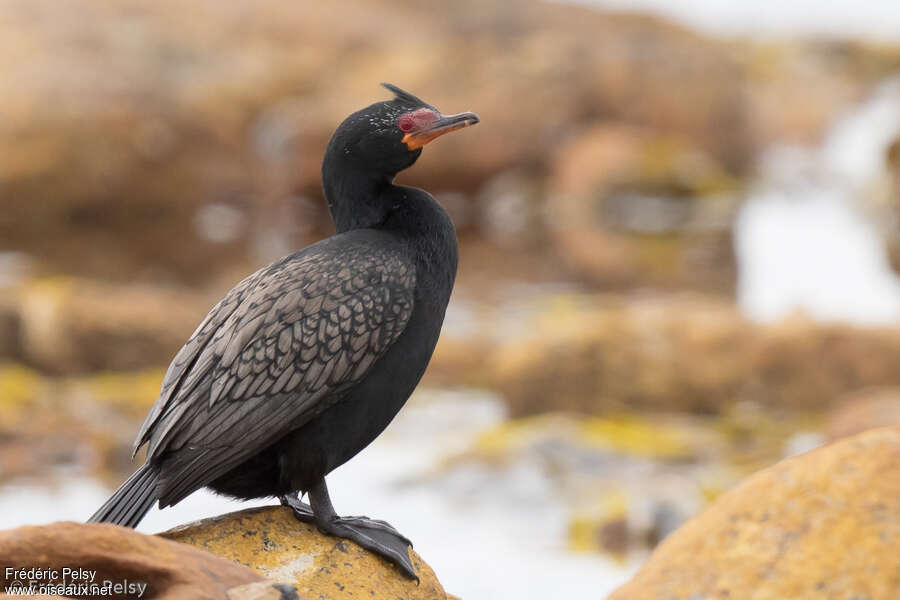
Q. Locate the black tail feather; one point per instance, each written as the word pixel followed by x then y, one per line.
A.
pixel 128 505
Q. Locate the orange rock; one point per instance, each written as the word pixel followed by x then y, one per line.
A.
pixel 122 556
pixel 273 543
pixel 820 525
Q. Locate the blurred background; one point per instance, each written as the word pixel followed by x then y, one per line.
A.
pixel 679 248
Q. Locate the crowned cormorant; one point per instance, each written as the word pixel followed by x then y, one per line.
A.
pixel 306 361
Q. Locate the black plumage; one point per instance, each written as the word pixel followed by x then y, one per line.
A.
pixel 306 361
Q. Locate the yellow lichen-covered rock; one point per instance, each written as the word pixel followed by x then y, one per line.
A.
pixel 282 549
pixel 820 525
pixel 623 434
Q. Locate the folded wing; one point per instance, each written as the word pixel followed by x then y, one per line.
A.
pixel 280 348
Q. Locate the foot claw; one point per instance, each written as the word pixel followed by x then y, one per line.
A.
pixel 377 537
pixel 366 522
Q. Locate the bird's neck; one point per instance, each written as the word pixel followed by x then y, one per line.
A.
pixel 356 199
pixel 418 218
pixel 360 200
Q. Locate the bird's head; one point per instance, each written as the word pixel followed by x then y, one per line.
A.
pixel 388 136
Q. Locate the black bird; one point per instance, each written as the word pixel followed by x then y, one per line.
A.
pixel 306 361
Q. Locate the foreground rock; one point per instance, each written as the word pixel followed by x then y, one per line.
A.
pixel 820 525
pixel 122 556
pixel 273 543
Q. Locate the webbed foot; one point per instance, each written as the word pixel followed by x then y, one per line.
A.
pixel 375 536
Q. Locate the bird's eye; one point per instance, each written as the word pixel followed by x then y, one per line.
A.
pixel 406 122
pixel 416 119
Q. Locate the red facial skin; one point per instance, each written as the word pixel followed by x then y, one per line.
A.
pixel 416 120
pixel 424 124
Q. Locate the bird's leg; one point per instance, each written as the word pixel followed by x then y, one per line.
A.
pixel 359 521
pixel 376 536
pixel 304 512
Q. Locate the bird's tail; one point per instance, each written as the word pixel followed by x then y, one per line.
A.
pixel 128 505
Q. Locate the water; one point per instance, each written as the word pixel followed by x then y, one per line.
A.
pixel 804 240
pixel 480 545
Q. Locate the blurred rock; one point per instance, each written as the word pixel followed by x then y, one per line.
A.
pixel 886 209
pixel 826 528
pixel 460 362
pixel 129 128
pixel 628 206
pixel 864 410
pixel 126 122
pixel 123 556
pixel 543 351
pixel 10 323
pixel 68 325
pixel 623 526
pixel 892 162
pixel 282 549
pixel 684 353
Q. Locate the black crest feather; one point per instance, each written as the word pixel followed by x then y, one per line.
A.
pixel 403 94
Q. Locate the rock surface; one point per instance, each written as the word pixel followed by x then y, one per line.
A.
pixel 273 543
pixel 820 525
pixel 122 556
